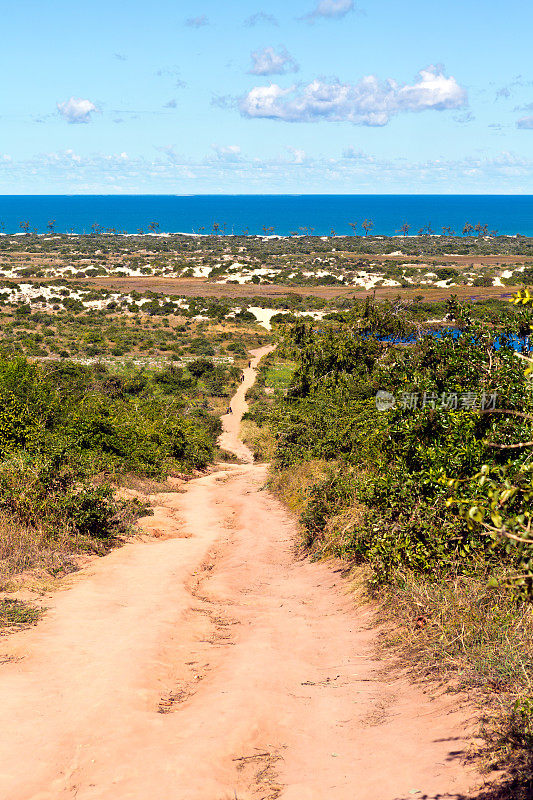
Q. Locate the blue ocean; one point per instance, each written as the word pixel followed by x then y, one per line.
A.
pixel 273 214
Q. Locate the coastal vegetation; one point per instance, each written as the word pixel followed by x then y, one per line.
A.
pixel 365 260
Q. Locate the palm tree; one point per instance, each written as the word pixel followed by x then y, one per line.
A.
pixel 367 226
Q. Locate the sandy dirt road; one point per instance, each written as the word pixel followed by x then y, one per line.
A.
pixel 211 663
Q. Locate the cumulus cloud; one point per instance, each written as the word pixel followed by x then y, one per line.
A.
pixel 197 22
pixel 260 17
pixel 525 124
pixel 76 110
pixel 298 156
pixel 331 9
pixel 368 102
pixel 270 62
pixel 229 153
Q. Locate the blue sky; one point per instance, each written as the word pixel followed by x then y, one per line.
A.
pixel 269 97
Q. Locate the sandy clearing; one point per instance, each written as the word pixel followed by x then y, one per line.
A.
pixel 214 665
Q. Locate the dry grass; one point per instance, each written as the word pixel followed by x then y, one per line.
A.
pixel 480 641
pixel 292 485
pixel 259 439
pixel 461 627
pixel 23 548
pixel 34 556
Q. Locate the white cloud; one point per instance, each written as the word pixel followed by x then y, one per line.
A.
pixel 76 110
pixel 69 172
pixel 368 102
pixel 298 156
pixel 197 22
pixel 259 17
pixel 525 124
pixel 230 152
pixel 270 62
pixel 332 9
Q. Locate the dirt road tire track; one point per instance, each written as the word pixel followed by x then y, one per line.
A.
pixel 217 665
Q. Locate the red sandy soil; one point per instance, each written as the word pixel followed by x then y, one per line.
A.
pixel 198 287
pixel 210 662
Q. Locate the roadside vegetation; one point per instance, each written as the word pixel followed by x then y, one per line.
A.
pixel 429 494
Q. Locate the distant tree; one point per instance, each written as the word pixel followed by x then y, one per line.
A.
pixel 353 226
pixel 51 225
pixel 332 232
pixel 96 228
pixel 224 226
pixel 153 227
pixel 216 228
pixel 24 225
pixel 405 229
pixel 467 229
pixel 140 231
pixel 367 226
